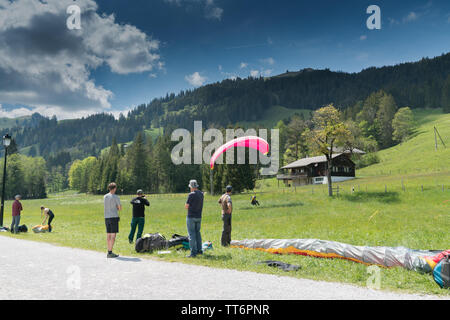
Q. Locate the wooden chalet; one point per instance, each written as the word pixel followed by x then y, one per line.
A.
pixel 314 170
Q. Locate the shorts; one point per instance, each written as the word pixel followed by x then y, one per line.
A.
pixel 112 225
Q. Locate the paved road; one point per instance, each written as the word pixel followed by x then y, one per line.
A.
pixel 33 270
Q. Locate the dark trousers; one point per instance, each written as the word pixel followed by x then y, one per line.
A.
pixel 50 218
pixel 138 222
pixel 226 233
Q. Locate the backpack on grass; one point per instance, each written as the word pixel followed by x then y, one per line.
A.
pixel 441 272
pixel 22 228
pixel 151 242
pixel 178 242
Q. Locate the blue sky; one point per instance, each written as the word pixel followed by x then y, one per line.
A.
pixel 204 41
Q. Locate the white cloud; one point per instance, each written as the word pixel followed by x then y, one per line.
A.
pixel 195 79
pixel 254 73
pixel 269 61
pixel 410 17
pixel 363 56
pixel 14 113
pixel 243 65
pixel 393 21
pixel 211 10
pixel 47 67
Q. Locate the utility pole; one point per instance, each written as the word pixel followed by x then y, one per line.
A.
pixel 435 140
pixel 436 135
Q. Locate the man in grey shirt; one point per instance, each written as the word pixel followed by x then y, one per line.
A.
pixel 112 207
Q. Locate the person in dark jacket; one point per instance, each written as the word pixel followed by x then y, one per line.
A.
pixel 138 219
pixel 194 207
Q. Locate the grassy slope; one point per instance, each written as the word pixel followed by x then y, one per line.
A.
pixel 12 122
pixel 417 155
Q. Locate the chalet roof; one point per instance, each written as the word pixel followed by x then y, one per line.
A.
pixel 344 150
pixel 307 161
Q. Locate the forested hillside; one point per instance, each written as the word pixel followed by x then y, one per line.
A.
pixel 423 84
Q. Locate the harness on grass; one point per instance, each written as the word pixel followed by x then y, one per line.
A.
pixel 151 242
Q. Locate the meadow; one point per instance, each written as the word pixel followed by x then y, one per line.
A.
pixel 402 201
pixel 369 216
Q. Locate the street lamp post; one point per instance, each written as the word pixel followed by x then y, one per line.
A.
pixel 6 143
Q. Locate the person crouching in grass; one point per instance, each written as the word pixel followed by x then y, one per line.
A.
pixel 48 214
pixel 112 206
pixel 138 218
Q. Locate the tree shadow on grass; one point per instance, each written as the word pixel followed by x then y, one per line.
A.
pixel 385 197
pixel 275 205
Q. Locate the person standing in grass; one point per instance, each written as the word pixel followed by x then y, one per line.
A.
pixel 48 214
pixel 194 206
pixel 138 219
pixel 112 206
pixel 227 209
pixel 16 209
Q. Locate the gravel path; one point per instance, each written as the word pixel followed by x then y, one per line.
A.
pixel 34 270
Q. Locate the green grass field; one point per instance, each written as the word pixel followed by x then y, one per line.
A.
pixel 409 207
pixel 410 218
pixel 417 155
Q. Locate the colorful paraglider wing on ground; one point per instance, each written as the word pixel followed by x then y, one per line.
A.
pixel 252 142
pixel 418 260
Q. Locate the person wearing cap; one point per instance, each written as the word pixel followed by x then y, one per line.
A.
pixel 227 209
pixel 194 206
pixel 48 214
pixel 16 209
pixel 138 219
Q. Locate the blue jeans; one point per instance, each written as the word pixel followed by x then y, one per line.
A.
pixel 15 224
pixel 195 238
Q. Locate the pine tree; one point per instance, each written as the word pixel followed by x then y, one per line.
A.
pixel 385 114
pixel 445 101
pixel 12 149
pixel 138 163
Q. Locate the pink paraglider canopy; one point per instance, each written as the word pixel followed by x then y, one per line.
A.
pixel 247 142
